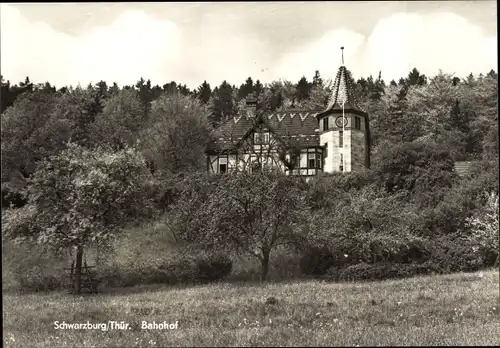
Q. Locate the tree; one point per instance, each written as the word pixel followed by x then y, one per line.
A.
pixel 415 78
pixel 245 213
pixel 317 80
pixel 114 89
pixel 423 171
pixel 222 105
pixel 484 225
pixel 184 90
pixel 258 88
pixel 81 107
pixel 79 198
pixel 246 88
pixel 271 98
pixel 395 123
pixel 433 103
pixel 175 138
pixel 145 94
pixel 120 121
pixel 318 98
pixel 31 130
pixel 10 93
pixel 170 87
pixel 204 92
pixel 27 84
pixel 303 89
pixel 367 225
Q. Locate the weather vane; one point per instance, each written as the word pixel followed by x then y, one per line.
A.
pixel 342 48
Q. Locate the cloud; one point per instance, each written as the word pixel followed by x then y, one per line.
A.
pixel 221 45
pixel 134 45
pixel 429 42
pixel 323 54
pixel 396 45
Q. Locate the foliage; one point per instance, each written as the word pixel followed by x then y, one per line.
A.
pixel 79 197
pixel 29 133
pixel 175 137
pixel 372 226
pixel 120 122
pixel 484 225
pixel 410 208
pixel 244 213
pixel 317 261
pixel 422 170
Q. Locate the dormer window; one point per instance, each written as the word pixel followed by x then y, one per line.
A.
pixel 261 138
pixel 222 165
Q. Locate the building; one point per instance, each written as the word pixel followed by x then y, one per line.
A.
pixel 300 142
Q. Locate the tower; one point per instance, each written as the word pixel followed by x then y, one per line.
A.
pixel 344 128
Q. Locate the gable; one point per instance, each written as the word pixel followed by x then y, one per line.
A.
pixel 290 126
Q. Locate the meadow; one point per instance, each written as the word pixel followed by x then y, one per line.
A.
pixel 455 309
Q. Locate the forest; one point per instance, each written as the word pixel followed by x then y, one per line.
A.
pixel 121 172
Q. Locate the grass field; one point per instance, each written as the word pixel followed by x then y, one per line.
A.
pixel 458 309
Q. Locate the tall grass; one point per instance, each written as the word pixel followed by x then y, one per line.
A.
pixel 459 309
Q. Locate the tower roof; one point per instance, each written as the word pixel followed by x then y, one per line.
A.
pixel 342 92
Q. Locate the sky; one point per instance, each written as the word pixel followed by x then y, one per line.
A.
pixel 188 42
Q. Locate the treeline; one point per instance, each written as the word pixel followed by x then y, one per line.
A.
pixel 80 165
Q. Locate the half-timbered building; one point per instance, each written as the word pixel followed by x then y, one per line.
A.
pixel 299 142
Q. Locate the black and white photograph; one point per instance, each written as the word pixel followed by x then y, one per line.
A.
pixel 250 174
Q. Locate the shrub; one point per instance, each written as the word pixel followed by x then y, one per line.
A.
pixel 484 228
pixel 212 268
pixel 380 271
pixel 316 261
pixel 28 267
pixel 414 167
pixel 444 255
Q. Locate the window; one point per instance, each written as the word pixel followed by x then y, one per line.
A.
pixel 222 165
pixel 256 138
pixel 311 160
pixel 319 161
pixel 341 167
pixel 341 138
pixel 266 138
pixel 294 159
pixel 260 138
pixel 325 123
pixel 357 123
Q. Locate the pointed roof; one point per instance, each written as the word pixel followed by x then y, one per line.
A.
pixel 342 92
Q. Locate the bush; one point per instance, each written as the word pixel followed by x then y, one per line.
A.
pixel 380 271
pixel 212 268
pixel 179 270
pixel 442 255
pixel 28 267
pixel 316 261
pixel 283 265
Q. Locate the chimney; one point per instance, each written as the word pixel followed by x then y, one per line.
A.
pixel 251 105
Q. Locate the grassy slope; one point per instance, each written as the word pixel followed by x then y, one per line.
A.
pixel 459 309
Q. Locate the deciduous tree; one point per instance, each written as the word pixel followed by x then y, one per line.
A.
pixel 244 213
pixel 81 197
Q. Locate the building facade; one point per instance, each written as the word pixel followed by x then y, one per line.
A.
pixel 299 142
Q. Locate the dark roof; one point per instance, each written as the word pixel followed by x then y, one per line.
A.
pixel 342 91
pixel 300 126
